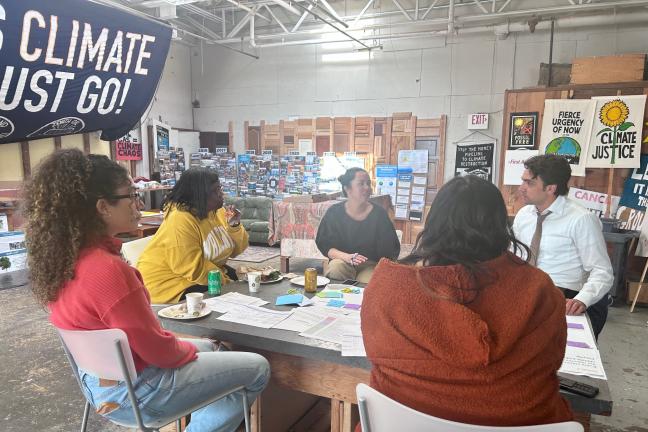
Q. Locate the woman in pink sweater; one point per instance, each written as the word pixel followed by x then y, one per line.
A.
pixel 75 205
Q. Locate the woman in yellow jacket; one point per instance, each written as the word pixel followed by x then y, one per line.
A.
pixel 197 235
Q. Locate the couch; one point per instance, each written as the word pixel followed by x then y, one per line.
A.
pixel 255 216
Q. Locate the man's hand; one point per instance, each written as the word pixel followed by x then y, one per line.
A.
pixel 574 307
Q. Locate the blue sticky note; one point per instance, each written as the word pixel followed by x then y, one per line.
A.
pixel 289 299
pixel 335 303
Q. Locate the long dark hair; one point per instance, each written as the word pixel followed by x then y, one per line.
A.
pixel 467 224
pixel 60 207
pixel 191 192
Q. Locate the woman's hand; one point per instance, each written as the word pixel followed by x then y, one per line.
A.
pixel 233 215
pixel 354 259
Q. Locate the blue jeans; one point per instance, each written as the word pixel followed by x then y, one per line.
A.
pixel 165 392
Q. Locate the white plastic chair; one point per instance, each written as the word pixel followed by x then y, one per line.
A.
pixel 133 249
pixel 399 234
pixel 378 413
pixel 106 354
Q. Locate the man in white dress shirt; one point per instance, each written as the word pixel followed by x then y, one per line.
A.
pixel 566 240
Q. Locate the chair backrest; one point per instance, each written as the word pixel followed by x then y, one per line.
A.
pixel 96 352
pixel 378 413
pixel 133 249
pixel 399 234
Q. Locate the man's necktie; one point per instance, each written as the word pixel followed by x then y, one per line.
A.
pixel 535 241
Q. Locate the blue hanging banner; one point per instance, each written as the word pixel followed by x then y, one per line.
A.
pixel 72 66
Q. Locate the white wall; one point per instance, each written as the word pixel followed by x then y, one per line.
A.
pixel 454 76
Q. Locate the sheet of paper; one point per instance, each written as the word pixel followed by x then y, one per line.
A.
pixel 352 344
pixel 400 212
pixel 402 199
pixel 418 190
pixel 582 356
pixel 225 303
pixel 417 206
pixel 420 180
pixel 254 316
pixel 302 319
pixel 332 328
pixel 418 198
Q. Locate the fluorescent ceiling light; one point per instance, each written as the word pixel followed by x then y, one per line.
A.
pixel 347 57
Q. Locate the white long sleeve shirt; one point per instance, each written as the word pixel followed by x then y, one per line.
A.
pixel 572 249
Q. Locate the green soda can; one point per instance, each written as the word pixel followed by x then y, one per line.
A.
pixel 214 282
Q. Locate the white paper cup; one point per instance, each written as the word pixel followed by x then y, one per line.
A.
pixel 194 302
pixel 254 281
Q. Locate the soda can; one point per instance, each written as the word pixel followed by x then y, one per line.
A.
pixel 310 280
pixel 214 282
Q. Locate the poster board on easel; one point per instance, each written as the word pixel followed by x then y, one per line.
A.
pixel 411 185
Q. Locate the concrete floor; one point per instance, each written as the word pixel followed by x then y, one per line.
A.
pixel 39 393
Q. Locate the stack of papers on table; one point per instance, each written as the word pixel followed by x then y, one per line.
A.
pixel 227 302
pixel 254 316
pixel 582 356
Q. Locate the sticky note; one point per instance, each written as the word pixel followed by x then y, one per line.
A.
pixel 288 299
pixel 329 294
pixel 335 303
pixel 577 344
pixel 352 306
pixel 575 326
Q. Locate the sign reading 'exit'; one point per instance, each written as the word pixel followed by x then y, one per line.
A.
pixel 477 121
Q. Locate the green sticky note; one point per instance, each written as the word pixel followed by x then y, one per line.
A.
pixel 329 294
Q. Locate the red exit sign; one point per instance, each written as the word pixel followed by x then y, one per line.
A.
pixel 478 121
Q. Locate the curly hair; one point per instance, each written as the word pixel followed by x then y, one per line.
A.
pixel 60 208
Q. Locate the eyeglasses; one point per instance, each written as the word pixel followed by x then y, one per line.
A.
pixel 134 196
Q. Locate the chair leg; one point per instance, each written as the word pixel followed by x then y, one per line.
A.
pixel 86 414
pixel 246 412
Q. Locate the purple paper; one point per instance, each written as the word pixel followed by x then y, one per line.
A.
pixel 577 344
pixel 575 326
pixel 352 306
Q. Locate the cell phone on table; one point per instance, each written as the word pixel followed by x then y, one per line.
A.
pixel 350 282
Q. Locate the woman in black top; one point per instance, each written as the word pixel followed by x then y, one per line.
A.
pixel 355 234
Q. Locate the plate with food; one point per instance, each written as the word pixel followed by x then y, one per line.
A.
pixel 299 280
pixel 179 312
pixel 268 274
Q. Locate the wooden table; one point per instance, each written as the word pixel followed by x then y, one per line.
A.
pixel 308 366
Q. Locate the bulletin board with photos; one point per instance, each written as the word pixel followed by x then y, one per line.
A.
pixel 594 126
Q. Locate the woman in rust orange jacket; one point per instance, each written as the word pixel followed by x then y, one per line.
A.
pixel 462 329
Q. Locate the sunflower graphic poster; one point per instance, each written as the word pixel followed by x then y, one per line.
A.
pixel 566 128
pixel 615 141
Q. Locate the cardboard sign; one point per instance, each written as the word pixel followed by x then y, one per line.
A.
pixel 596 202
pixel 566 128
pixel 635 188
pixel 129 147
pixel 615 141
pixel 514 165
